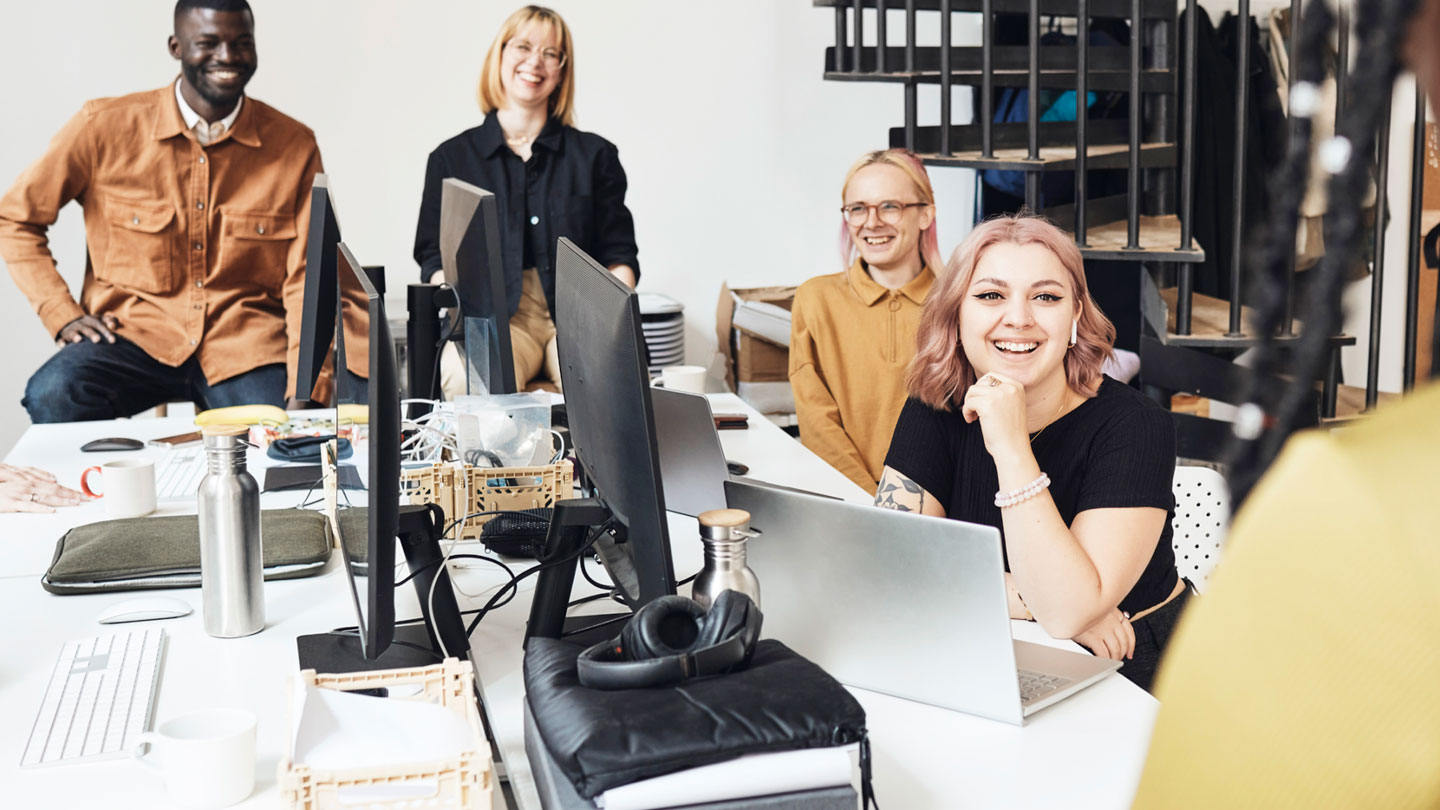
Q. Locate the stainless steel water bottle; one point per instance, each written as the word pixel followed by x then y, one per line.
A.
pixel 230 561
pixel 724 532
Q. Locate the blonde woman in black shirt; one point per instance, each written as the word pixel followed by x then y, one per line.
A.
pixel 1011 423
pixel 549 180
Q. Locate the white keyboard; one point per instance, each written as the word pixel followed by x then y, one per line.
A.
pixel 178 473
pixel 1036 685
pixel 100 698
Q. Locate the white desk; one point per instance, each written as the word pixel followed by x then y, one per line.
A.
pixel 1085 752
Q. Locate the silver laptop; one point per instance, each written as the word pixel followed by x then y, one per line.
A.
pixel 693 470
pixel 902 604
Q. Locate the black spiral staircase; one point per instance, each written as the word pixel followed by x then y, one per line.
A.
pixel 1186 341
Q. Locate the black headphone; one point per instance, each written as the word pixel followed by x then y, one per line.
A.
pixel 673 638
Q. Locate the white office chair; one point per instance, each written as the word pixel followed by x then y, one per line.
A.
pixel 1202 517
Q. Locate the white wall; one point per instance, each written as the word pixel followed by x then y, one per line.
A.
pixel 734 147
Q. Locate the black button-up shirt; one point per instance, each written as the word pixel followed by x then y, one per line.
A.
pixel 572 186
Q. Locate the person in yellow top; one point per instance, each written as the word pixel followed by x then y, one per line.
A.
pixel 852 333
pixel 1305 676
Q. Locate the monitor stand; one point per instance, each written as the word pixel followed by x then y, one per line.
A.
pixel 339 651
pixel 569 524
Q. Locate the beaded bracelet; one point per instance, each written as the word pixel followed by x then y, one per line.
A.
pixel 1025 493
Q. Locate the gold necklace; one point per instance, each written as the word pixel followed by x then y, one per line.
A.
pixel 518 140
pixel 1054 418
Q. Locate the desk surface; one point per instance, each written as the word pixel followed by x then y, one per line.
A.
pixel 1086 751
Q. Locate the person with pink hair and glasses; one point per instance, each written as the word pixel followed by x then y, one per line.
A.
pixel 852 333
pixel 1010 422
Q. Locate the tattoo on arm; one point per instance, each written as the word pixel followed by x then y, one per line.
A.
pixel 899 493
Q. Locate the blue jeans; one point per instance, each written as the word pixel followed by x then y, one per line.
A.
pixel 87 381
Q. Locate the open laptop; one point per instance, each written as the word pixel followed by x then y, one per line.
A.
pixel 902 604
pixel 693 469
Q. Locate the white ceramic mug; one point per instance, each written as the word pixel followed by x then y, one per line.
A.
pixel 129 487
pixel 682 378
pixel 206 757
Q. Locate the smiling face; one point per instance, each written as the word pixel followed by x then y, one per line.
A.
pixel 1015 317
pixel 217 57
pixel 882 245
pixel 527 79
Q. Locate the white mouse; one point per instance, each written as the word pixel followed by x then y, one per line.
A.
pixel 145 608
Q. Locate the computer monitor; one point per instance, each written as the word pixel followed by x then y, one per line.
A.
pixel 470 259
pixel 384 520
pixel 317 327
pixel 611 419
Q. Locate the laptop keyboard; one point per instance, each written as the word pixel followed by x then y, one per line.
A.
pixel 1037 685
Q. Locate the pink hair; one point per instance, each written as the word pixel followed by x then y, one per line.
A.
pixel 907 162
pixel 940 371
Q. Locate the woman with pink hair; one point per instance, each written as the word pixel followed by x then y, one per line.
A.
pixel 1011 423
pixel 852 333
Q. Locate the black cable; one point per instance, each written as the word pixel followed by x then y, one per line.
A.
pixel 440 350
pixel 587 628
pixel 513 584
pixel 585 572
pixel 591 598
pixel 434 563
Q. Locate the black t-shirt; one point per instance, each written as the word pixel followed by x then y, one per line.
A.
pixel 1116 449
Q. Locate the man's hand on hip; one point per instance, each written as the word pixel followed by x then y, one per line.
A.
pixel 88 327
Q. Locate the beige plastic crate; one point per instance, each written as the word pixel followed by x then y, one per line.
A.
pixel 463 783
pixel 460 489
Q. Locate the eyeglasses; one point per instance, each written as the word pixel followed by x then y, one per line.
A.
pixel 888 211
pixel 549 57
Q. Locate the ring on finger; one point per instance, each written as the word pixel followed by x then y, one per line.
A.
pixel 34 497
pixel 994 381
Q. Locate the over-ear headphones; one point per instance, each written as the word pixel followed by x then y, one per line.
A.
pixel 673 638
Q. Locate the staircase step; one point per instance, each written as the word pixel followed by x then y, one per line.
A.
pixel 1210 321
pixel 1054 158
pixel 1061 8
pixel 1151 81
pixel 1010 135
pixel 1108 63
pixel 1159 240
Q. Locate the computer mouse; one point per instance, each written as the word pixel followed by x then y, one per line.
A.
pixel 145 608
pixel 736 468
pixel 114 443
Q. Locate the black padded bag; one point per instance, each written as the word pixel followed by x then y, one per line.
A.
pixel 603 739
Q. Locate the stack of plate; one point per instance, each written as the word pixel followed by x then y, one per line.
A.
pixel 663 320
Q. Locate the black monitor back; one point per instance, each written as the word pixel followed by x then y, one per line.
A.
pixel 317 325
pixel 383 479
pixel 611 422
pixel 470 259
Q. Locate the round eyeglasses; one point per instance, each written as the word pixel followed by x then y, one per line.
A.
pixel 888 211
pixel 522 50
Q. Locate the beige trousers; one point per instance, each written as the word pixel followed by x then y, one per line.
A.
pixel 532 343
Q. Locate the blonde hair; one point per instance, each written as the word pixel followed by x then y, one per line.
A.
pixel 907 162
pixel 562 100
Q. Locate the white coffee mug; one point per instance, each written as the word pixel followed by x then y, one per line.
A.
pixel 683 378
pixel 129 487
pixel 206 757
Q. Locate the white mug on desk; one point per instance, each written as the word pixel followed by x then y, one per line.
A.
pixel 682 378
pixel 207 757
pixel 129 487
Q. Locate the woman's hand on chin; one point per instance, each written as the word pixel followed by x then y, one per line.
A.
pixel 999 403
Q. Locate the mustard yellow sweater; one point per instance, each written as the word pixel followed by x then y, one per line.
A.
pixel 850 341
pixel 1309 674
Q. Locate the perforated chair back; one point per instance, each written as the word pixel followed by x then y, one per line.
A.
pixel 1202 517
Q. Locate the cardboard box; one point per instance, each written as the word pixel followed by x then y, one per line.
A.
pixel 750 357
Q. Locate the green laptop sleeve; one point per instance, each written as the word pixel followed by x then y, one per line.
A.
pixel 164 552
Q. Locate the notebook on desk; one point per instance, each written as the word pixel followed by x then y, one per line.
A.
pixel 901 604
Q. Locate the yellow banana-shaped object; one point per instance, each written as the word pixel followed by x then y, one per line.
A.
pixel 243 415
pixel 354 414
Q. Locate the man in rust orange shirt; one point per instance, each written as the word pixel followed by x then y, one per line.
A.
pixel 196 202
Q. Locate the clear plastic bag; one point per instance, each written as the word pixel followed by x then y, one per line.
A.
pixel 504 430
